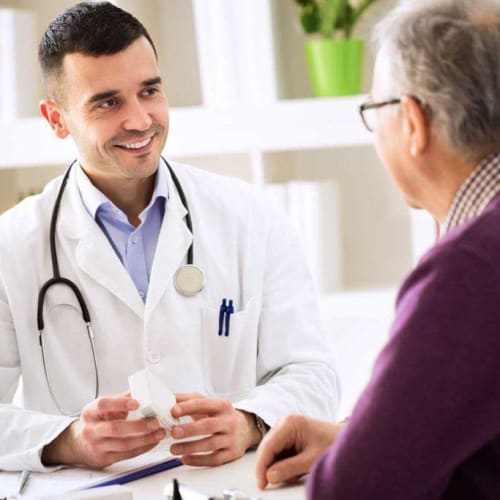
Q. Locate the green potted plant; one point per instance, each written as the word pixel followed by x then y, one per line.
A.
pixel 335 59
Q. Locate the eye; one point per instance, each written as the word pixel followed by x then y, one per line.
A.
pixel 151 91
pixel 108 103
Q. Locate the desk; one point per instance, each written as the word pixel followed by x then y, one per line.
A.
pixel 238 474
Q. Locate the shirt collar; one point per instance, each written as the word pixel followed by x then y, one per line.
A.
pixel 95 201
pixel 477 191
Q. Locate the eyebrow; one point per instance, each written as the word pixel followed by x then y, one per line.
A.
pixel 111 93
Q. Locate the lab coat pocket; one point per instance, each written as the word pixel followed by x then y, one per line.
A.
pixel 230 361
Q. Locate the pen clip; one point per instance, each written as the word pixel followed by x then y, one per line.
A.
pixel 222 313
pixel 229 311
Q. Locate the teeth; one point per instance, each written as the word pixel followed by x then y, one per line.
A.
pixel 137 145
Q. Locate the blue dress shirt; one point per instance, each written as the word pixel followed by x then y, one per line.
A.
pixel 134 246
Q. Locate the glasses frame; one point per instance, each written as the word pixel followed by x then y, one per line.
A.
pixel 374 105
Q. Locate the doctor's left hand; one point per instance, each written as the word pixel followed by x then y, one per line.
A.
pixel 226 433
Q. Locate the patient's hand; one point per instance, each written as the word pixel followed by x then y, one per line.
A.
pixel 292 446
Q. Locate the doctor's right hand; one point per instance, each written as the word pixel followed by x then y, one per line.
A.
pixel 103 436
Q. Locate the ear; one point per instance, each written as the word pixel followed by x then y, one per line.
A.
pixel 52 112
pixel 415 125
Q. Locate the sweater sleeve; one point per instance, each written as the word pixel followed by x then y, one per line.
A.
pixel 434 397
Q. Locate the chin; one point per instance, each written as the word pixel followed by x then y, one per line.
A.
pixel 414 204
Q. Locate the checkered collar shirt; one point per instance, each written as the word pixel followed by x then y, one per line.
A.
pixel 482 185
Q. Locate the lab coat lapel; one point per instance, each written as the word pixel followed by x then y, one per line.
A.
pixel 94 254
pixel 171 249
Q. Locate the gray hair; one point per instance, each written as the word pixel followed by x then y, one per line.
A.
pixel 446 53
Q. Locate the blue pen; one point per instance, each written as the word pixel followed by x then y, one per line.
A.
pixel 222 312
pixel 229 311
pixel 138 474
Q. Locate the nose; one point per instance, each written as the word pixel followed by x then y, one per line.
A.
pixel 137 117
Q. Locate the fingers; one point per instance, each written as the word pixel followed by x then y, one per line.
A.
pixel 112 457
pixel 186 396
pixel 102 408
pixel 132 443
pixel 205 445
pixel 122 428
pixel 117 415
pixel 210 460
pixel 100 451
pixel 222 427
pixel 281 437
pixel 288 469
pixel 211 425
pixel 204 406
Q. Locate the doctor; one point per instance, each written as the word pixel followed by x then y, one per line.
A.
pixel 121 234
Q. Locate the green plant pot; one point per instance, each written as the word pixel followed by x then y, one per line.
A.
pixel 335 66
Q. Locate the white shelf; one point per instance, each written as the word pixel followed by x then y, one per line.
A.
pixel 272 133
pixel 197 131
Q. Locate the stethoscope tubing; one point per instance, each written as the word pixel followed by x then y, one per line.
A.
pixel 57 279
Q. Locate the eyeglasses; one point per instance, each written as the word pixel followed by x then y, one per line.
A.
pixel 367 111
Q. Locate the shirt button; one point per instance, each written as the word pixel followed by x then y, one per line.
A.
pixel 134 240
pixel 141 293
pixel 154 356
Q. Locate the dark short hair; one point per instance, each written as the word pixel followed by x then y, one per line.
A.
pixel 89 28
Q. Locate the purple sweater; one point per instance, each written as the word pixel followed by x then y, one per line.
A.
pixel 428 424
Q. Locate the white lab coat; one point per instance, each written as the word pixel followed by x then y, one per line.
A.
pixel 274 362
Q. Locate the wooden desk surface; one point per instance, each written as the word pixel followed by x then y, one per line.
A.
pixel 212 481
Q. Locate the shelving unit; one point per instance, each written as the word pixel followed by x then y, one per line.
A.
pixel 291 138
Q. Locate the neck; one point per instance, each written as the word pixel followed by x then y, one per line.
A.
pixel 445 177
pixel 131 196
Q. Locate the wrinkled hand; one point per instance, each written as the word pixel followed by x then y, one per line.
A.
pixel 103 436
pixel 225 433
pixel 292 446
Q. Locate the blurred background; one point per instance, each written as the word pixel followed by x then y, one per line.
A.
pixel 242 104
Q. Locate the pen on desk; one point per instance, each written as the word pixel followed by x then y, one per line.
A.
pixel 23 478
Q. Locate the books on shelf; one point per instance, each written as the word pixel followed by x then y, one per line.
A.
pixel 235 51
pixel 314 208
pixel 18 64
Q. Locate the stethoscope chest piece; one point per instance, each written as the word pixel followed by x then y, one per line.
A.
pixel 189 280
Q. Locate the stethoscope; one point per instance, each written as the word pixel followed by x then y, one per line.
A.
pixel 188 280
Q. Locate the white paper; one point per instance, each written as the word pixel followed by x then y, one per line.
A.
pixel 154 396
pixel 41 485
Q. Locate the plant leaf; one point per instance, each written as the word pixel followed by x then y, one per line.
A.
pixel 309 19
pixel 329 11
pixel 304 3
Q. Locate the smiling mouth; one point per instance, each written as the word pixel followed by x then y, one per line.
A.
pixel 137 147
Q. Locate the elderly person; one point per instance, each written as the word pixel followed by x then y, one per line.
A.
pixel 428 424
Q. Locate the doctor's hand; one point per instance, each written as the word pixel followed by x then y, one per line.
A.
pixel 225 433
pixel 103 436
pixel 291 447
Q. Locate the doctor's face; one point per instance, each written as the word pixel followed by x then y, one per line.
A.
pixel 115 109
